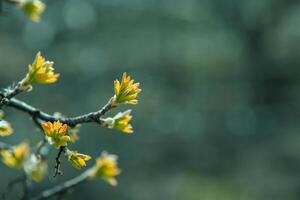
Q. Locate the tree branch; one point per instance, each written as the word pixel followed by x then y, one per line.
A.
pixel 72 121
pixel 10 92
pixel 39 147
pixel 38 116
pixel 43 142
pixel 57 161
pixel 63 186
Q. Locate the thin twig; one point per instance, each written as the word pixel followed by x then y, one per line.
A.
pixel 37 121
pixel 72 121
pixel 39 147
pixel 57 161
pixel 43 142
pixel 10 92
pixel 63 186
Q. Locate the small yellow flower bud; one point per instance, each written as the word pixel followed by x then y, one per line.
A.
pixel 5 128
pixel 56 133
pixel 36 168
pixel 32 8
pixel 15 157
pixel 106 168
pixel 40 72
pixel 77 159
pixel 125 92
pixel 119 122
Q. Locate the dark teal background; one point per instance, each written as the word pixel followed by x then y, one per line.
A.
pixel 218 117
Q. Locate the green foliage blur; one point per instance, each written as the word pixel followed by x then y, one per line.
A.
pixel 218 117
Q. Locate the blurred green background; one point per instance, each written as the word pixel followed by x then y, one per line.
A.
pixel 218 117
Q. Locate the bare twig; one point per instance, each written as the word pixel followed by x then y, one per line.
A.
pixel 72 121
pixel 37 121
pixel 43 142
pixel 63 187
pixel 10 92
pixel 57 162
pixel 39 147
